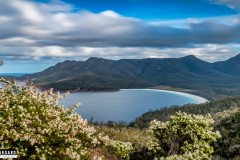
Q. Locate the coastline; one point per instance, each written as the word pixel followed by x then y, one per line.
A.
pixel 195 97
pixel 198 98
pixel 68 91
pixel 207 94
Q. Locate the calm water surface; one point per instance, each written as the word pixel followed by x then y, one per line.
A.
pixel 126 104
pixel 13 74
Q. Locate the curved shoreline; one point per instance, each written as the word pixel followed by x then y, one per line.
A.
pixel 195 97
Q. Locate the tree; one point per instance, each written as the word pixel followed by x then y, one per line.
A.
pixel 185 136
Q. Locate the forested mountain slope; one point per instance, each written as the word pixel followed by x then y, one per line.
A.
pixel 103 74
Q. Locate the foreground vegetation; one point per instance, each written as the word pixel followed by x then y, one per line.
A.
pixel 164 113
pixel 225 112
pixel 226 147
pixel 34 124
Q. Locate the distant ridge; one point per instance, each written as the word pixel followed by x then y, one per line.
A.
pixel 230 66
pixel 13 74
pixel 97 74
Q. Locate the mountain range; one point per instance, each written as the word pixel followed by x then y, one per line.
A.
pixel 98 74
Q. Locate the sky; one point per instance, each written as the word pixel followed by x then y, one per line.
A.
pixel 36 34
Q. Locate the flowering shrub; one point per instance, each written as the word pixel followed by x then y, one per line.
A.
pixel 34 124
pixel 122 149
pixel 185 136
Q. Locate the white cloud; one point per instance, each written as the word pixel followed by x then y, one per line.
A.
pixel 17 40
pixel 43 31
pixel 234 4
pixel 209 52
pixel 28 11
pixel 4 18
pixel 111 14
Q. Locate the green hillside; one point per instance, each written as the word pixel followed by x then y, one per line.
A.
pixel 97 74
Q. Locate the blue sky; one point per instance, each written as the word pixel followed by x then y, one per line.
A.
pixel 156 9
pixel 37 34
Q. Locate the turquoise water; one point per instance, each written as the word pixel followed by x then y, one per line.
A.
pixel 125 105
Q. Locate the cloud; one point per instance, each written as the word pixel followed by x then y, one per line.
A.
pixel 55 30
pixel 233 4
pixel 53 54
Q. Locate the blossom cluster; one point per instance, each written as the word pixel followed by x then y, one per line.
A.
pixel 185 136
pixel 33 123
pixel 122 149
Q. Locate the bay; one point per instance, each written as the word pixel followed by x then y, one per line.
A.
pixel 126 104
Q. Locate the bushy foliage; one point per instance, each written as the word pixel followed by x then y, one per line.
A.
pixel 185 136
pixel 163 114
pixel 228 146
pixel 122 149
pixel 34 124
pixel 137 137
